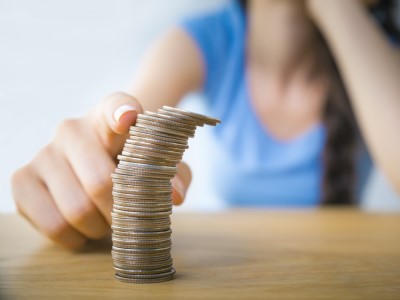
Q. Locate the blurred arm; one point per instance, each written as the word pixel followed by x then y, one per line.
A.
pixel 171 68
pixel 370 67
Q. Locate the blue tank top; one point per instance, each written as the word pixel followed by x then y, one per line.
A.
pixel 252 168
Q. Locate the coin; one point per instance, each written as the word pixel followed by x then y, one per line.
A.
pixel 142 193
pixel 203 118
pixel 177 119
pixel 157 121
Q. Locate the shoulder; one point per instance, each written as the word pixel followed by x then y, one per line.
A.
pixel 216 33
pixel 215 22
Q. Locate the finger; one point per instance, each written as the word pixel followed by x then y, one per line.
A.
pixel 180 183
pixel 35 203
pixel 112 119
pixel 90 162
pixel 68 194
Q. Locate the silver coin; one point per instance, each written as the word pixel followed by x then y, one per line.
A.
pixel 142 189
pixel 154 157
pixel 164 233
pixel 132 171
pixel 128 209
pixel 157 121
pixel 149 276
pixel 148 265
pixel 158 118
pixel 142 194
pixel 143 214
pixel 140 226
pixel 133 220
pixel 133 244
pixel 136 254
pixel 134 179
pixel 148 147
pixel 149 184
pixel 137 260
pixel 143 204
pixel 129 198
pixel 181 116
pixel 127 222
pixel 160 123
pixel 145 159
pixel 139 257
pixel 146 166
pixel 149 132
pixel 133 149
pixel 129 171
pixel 156 142
pixel 138 208
pixel 149 229
pixel 165 128
pixel 168 132
pixel 138 244
pixel 143 280
pixel 123 228
pixel 205 119
pixel 146 262
pixel 166 184
pixel 130 166
pixel 156 148
pixel 158 137
pixel 142 271
pixel 174 118
pixel 140 198
pixel 149 168
pixel 120 224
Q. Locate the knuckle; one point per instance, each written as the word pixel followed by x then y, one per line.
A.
pixel 77 212
pixel 42 158
pixel 66 127
pixel 56 229
pixel 99 185
pixel 18 181
pixel 18 177
pixel 44 154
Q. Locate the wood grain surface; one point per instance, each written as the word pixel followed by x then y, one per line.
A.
pixel 238 254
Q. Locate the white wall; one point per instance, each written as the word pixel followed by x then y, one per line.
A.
pixel 59 58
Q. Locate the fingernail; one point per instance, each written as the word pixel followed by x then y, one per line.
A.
pixel 179 186
pixel 121 110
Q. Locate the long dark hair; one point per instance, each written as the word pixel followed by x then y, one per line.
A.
pixel 341 146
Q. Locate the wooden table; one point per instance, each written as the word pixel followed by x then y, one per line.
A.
pixel 303 254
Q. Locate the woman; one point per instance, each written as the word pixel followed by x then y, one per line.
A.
pixel 289 133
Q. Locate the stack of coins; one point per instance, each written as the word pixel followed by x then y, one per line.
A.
pixel 142 192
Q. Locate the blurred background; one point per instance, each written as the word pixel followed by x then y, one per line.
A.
pixel 58 59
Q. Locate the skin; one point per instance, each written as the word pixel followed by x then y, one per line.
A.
pixel 69 200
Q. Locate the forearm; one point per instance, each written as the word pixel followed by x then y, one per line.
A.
pixel 170 69
pixel 371 70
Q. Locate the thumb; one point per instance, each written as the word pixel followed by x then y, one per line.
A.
pixel 180 183
pixel 113 117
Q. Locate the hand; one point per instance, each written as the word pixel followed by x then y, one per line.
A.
pixel 65 191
